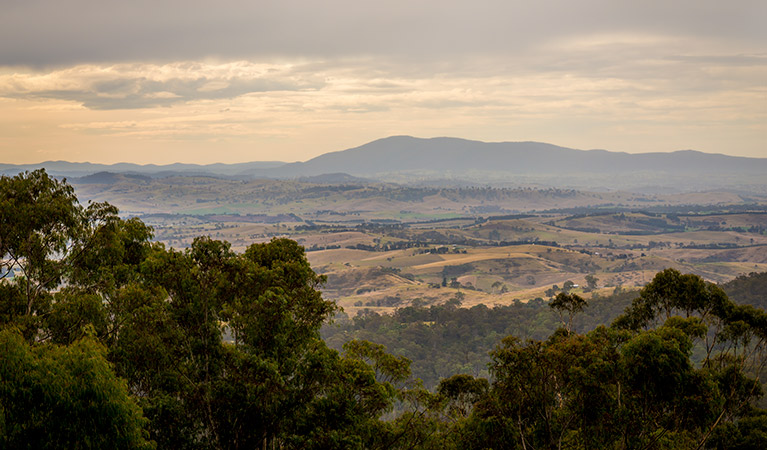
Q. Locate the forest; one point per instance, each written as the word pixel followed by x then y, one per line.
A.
pixel 109 339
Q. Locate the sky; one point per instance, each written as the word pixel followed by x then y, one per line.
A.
pixel 195 81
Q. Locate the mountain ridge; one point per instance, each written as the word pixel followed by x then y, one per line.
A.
pixel 412 159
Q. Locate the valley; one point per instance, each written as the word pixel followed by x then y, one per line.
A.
pixel 383 246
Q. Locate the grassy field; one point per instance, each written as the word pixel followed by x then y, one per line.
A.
pixel 383 246
pixel 481 271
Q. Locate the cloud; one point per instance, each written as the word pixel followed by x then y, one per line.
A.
pixel 307 76
pixel 665 80
pixel 109 55
pixel 54 32
pixel 131 86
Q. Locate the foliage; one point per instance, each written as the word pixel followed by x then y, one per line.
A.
pixel 66 397
pixel 748 289
pixel 599 391
pixel 443 340
pixel 206 348
pixel 572 304
pixel 634 385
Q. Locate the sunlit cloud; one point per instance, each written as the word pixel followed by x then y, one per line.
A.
pixel 129 86
pixel 243 101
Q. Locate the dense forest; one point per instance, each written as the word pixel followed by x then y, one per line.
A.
pixel 110 340
pixel 443 340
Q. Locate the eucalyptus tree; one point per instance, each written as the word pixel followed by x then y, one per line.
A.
pixel 200 348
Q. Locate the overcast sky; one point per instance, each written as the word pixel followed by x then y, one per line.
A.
pixel 192 81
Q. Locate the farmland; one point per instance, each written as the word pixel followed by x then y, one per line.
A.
pixel 382 246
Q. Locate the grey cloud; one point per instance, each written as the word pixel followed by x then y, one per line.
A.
pixel 55 32
pixel 139 92
pixel 724 60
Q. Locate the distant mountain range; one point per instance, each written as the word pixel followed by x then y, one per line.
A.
pixel 71 169
pixel 409 159
pixel 406 154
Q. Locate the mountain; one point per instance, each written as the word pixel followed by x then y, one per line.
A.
pixel 408 154
pixel 70 169
pixel 113 178
pixel 453 161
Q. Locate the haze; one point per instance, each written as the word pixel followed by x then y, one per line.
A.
pixel 197 82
